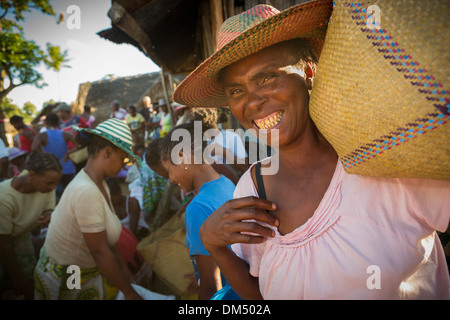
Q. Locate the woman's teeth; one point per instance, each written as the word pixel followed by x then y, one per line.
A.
pixel 269 122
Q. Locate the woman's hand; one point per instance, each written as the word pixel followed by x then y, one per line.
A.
pixel 44 219
pixel 133 295
pixel 236 221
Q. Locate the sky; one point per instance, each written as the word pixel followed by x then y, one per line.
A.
pixel 91 57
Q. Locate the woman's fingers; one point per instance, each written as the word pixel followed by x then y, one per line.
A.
pixel 253 229
pixel 253 202
pixel 252 213
pixel 245 220
pixel 252 208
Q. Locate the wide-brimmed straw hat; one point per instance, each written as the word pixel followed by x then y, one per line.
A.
pixel 248 33
pixel 117 132
pixel 381 94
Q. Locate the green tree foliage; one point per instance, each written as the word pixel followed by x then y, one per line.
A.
pixel 28 111
pixel 19 57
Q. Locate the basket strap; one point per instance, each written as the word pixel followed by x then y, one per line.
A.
pixel 260 182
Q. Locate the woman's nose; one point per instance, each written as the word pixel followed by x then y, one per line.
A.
pixel 255 99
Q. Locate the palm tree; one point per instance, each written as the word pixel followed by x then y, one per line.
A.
pixel 56 61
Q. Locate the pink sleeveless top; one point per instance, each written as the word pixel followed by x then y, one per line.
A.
pixel 369 238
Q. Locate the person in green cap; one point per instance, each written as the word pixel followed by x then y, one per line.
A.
pixel 85 230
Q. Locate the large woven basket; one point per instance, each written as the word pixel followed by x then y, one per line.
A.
pixel 381 94
pixel 166 253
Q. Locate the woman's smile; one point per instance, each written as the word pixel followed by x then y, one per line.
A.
pixel 272 121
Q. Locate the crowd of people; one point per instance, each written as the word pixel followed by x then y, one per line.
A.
pixel 308 231
pixel 118 198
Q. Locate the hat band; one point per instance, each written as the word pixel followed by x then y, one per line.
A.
pixel 117 141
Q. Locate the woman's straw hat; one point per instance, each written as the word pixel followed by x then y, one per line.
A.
pixel 381 94
pixel 117 132
pixel 248 33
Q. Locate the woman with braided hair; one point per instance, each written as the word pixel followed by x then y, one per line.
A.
pixel 25 201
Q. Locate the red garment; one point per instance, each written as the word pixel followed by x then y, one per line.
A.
pixel 128 248
pixel 66 126
pixel 24 141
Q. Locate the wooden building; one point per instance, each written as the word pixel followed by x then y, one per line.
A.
pixel 176 34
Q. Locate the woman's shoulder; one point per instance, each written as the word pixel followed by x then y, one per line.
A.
pixel 81 184
pixel 246 184
pixel 7 192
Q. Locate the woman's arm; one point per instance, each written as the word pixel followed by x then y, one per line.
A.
pixel 109 265
pixel 39 143
pixel 209 273
pixel 236 271
pixel 115 249
pixel 225 226
pixel 134 209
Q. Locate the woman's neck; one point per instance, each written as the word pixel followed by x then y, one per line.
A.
pixel 22 184
pixel 205 173
pixel 95 173
pixel 308 152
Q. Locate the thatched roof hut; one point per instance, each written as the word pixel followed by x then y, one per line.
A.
pixel 128 90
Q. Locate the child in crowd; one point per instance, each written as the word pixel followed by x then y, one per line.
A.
pixel 127 209
pixel 211 191
pixel 144 183
pixel 136 122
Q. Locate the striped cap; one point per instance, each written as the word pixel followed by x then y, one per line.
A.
pixel 115 131
pixel 247 33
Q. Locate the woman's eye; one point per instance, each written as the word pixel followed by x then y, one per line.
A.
pixel 268 78
pixel 233 92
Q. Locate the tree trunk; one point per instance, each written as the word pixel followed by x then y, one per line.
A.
pixel 2 115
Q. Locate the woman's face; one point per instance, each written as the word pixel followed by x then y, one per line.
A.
pixel 116 161
pixel 266 93
pixel 159 169
pixel 46 181
pixel 179 175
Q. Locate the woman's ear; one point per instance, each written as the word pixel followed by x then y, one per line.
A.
pixel 309 72
pixel 107 152
pixel 186 158
pixel 31 175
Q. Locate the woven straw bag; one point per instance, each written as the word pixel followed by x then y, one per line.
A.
pixel 381 94
pixel 79 156
pixel 166 253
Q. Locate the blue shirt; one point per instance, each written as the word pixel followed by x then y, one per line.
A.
pixel 210 197
pixel 58 146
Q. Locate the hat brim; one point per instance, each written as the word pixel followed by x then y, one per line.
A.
pixel 307 20
pixel 17 154
pixel 117 142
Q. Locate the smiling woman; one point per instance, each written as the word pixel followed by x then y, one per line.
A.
pixel 310 231
pixel 270 89
pixel 211 190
